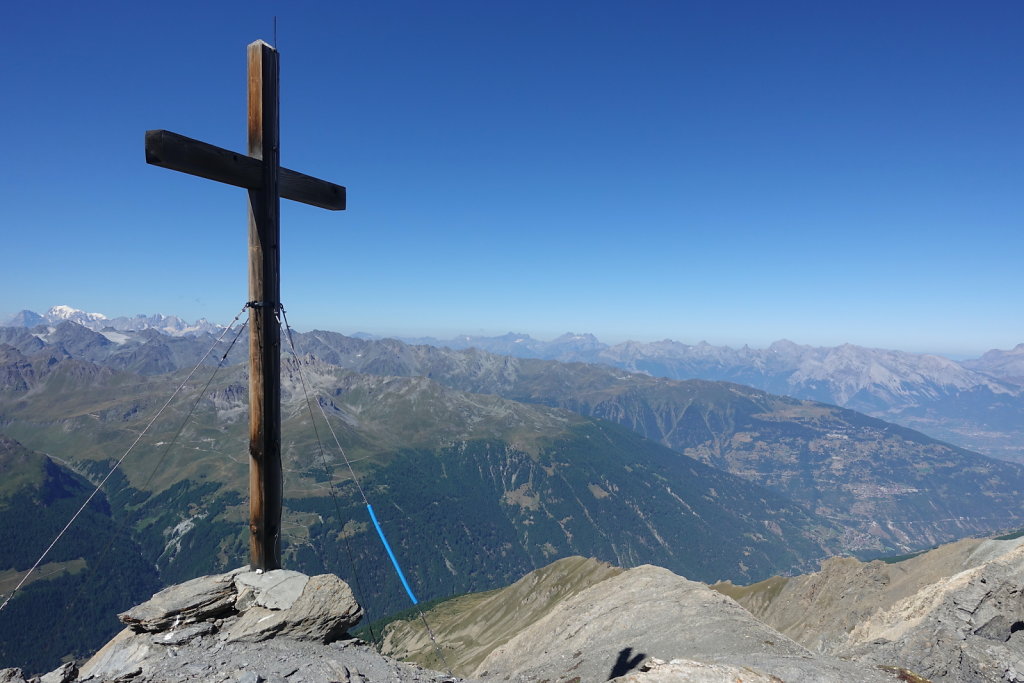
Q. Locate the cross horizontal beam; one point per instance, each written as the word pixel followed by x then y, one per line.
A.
pixel 179 153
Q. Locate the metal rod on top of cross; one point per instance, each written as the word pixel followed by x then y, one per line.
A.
pixel 260 173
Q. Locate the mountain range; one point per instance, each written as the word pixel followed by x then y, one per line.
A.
pixel 872 476
pixel 482 466
pixel 977 404
pixel 167 324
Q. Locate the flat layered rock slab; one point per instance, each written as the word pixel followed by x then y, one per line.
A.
pixel 201 598
pixel 276 589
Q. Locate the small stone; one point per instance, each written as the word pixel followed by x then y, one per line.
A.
pixel 63 674
pixel 12 676
pixel 181 636
pixel 246 598
pixel 134 673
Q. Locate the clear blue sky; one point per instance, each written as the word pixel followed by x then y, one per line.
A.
pixel 738 172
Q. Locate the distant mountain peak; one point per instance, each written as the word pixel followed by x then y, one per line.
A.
pixel 98 322
pixel 516 337
pixel 25 318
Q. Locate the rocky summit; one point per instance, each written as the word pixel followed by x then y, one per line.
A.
pixel 241 627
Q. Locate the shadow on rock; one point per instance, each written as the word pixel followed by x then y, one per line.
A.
pixel 624 664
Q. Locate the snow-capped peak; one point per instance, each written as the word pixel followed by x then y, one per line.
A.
pixel 167 324
pixel 73 314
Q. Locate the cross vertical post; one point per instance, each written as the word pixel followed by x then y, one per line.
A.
pixel 265 476
pixel 261 174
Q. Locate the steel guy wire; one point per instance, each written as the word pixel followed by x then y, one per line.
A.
pixel 355 480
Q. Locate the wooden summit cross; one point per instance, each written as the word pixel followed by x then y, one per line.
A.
pixel 260 173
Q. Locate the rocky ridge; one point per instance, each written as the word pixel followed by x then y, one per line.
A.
pixel 589 620
pixel 967 627
pixel 649 611
pixel 952 615
pixel 955 614
pixel 1006 365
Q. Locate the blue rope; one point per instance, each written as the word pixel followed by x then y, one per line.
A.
pixel 394 561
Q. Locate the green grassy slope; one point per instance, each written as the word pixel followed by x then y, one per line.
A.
pixel 93 572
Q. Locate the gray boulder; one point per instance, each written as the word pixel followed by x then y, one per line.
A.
pixel 180 636
pixel 122 656
pixel 321 609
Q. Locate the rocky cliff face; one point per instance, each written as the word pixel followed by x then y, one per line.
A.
pixel 955 613
pixel 966 627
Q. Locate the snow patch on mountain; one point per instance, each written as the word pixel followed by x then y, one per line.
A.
pixel 116 337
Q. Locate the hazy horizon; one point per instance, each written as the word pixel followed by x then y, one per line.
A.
pixel 544 336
